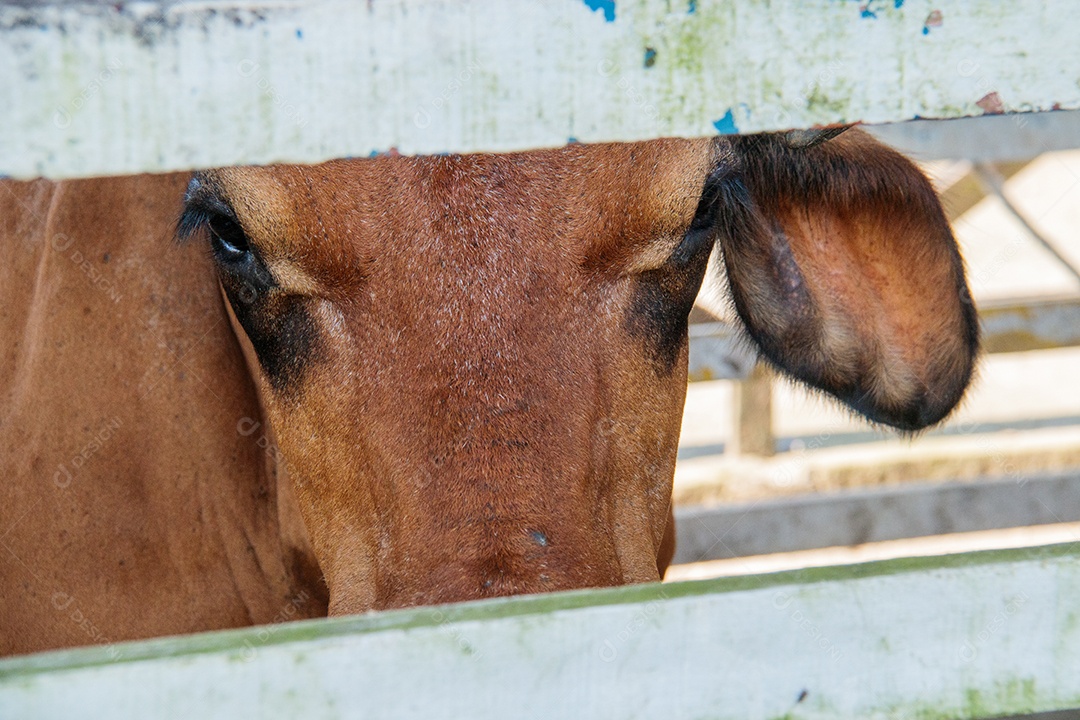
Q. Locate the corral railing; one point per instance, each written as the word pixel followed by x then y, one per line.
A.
pixel 999 147
pixel 718 353
pixel 100 88
pixel 964 636
pixel 990 149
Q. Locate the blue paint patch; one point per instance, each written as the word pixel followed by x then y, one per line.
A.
pixel 726 125
pixel 650 57
pixel 608 6
pixel 691 7
pixel 925 30
pixel 572 140
pixel 866 9
pixel 299 34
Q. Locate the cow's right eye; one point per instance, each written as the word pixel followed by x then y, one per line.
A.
pixel 228 240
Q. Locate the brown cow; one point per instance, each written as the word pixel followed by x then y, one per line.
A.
pixel 474 367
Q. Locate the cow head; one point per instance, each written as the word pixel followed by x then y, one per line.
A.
pixel 475 365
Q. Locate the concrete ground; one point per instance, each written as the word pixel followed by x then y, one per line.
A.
pixel 1021 416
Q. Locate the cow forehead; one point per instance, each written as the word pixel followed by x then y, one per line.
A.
pixel 605 200
pixel 466 252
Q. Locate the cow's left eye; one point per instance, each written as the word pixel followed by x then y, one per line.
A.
pixel 228 239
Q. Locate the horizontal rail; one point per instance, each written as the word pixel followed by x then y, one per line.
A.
pixel 977 635
pixel 717 352
pixel 1032 325
pixel 853 517
pixel 97 88
pixel 987 139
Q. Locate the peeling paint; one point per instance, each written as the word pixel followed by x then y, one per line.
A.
pixel 991 103
pixel 726 125
pixel 933 20
pixel 546 73
pixel 608 6
pixel 868 11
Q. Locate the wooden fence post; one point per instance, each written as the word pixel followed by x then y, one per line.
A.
pixel 752 432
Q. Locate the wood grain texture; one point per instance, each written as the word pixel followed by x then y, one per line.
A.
pixel 96 88
pixel 976 635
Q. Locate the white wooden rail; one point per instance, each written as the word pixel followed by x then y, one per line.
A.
pixel 986 139
pixel 868 515
pixel 966 636
pixel 95 88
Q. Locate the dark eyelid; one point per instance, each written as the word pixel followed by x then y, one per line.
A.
pixel 210 205
pixel 218 207
pixel 201 204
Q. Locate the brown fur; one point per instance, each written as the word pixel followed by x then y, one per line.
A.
pixel 876 309
pixel 169 520
pixel 474 369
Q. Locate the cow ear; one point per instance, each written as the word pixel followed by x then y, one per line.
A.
pixel 845 272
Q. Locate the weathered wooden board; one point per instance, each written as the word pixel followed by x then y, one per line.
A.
pixel 105 88
pixel 990 138
pixel 1032 325
pixel 853 517
pixel 965 636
